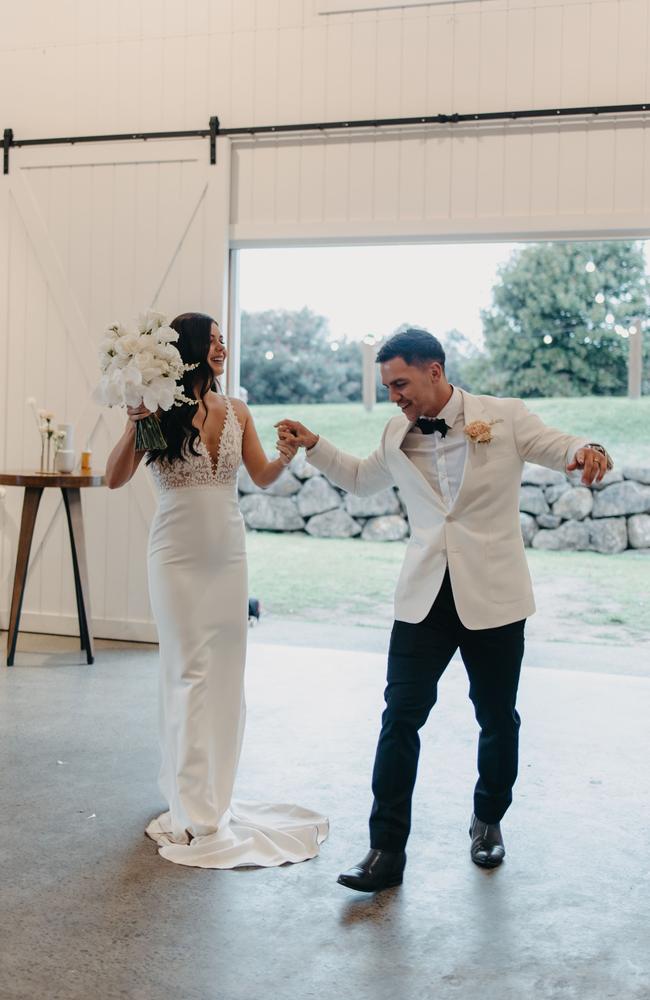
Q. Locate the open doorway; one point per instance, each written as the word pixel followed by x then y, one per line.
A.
pixel 553 323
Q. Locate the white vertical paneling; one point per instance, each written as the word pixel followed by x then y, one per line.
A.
pixel 547 57
pixel 242 107
pixel 632 51
pixel 517 174
pixel 388 64
pixel 629 169
pixel 198 17
pixel 467 63
pixel 291 13
pixel 544 165
pixel 575 42
pixel 571 170
pixel 337 183
pixel 242 183
pixel 362 171
pixel 337 78
pixel 438 176
pixel 386 178
pixel 312 181
pixel 174 18
pixel 265 111
pixel 78 232
pixel 289 75
pixel 464 178
pixel 243 15
pixel 267 14
pixel 221 16
pixel 412 174
pixel 264 182
pixel 492 62
pixel 363 70
pixel 490 175
pixel 313 71
pixel 413 83
pixel 440 64
pixel 196 111
pixel 172 83
pixel 521 58
pixel 599 177
pixel 287 183
pixel 603 46
pixel 151 95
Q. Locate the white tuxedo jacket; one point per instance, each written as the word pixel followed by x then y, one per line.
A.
pixel 479 536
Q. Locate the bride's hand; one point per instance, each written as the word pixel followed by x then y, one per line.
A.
pixel 287 447
pixel 293 430
pixel 138 413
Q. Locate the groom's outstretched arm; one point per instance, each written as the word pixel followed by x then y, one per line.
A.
pixel 361 476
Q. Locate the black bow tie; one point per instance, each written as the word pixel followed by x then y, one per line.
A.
pixel 430 424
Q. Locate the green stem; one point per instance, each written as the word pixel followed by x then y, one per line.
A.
pixel 148 435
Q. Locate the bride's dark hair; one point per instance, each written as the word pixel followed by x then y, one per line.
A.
pixel 176 424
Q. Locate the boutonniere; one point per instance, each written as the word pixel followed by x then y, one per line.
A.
pixel 480 431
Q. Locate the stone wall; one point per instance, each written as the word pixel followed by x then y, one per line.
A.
pixel 557 512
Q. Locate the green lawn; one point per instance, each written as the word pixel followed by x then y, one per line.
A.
pixel 621 424
pixel 582 596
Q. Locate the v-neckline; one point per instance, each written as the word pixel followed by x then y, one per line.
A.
pixel 214 462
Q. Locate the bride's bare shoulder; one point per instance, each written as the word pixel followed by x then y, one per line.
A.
pixel 241 410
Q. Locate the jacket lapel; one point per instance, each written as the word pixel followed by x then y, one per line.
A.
pixel 410 469
pixel 477 454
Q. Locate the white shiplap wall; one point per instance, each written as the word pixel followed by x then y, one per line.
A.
pixel 144 65
pixel 93 234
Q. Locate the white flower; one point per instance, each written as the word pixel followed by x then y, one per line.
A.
pixel 166 335
pixel 151 320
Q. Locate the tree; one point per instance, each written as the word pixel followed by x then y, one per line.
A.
pixel 560 315
pixel 289 357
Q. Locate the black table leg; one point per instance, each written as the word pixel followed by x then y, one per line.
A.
pixel 72 502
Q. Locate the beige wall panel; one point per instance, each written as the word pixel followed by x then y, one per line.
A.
pixel 547 57
pixel 386 178
pixel 520 66
pixel 362 168
pixel 632 69
pixel 412 172
pixel 571 170
pixel 287 183
pixel 629 170
pixel 490 174
pixel 493 62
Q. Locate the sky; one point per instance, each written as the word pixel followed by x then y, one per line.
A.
pixel 374 289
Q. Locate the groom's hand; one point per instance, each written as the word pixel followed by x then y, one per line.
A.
pixel 593 463
pixel 298 432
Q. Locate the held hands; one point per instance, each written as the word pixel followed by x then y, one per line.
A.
pixel 294 431
pixel 287 448
pixel 594 464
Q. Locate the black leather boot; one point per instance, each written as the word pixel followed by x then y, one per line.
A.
pixel 487 848
pixel 378 870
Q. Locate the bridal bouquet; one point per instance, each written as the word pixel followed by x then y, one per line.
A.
pixel 141 364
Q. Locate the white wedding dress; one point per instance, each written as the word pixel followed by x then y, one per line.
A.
pixel 198 589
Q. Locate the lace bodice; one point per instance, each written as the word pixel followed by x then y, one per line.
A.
pixel 199 470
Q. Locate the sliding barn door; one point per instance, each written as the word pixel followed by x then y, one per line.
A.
pixel 89 234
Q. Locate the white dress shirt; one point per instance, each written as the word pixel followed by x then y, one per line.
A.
pixel 441 460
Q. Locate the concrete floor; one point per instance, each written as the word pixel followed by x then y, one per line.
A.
pixel 90 911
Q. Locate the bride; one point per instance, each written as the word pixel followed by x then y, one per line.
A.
pixel 199 596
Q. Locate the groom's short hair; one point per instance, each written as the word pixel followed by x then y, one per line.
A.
pixel 415 346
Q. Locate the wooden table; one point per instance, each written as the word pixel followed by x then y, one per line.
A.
pixel 70 486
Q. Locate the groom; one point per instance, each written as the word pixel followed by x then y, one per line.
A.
pixel 457 460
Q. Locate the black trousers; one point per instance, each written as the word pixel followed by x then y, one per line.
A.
pixel 417 658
